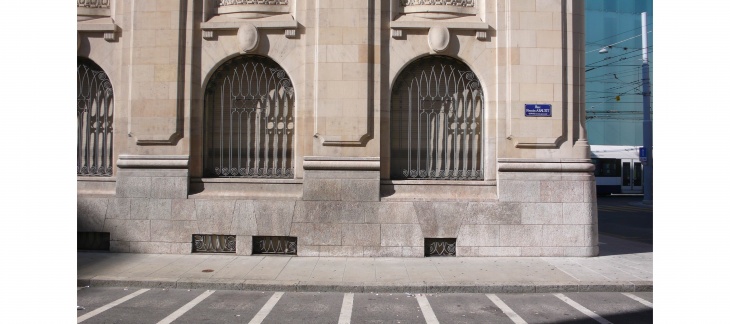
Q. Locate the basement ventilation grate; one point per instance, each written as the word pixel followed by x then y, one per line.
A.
pixel 214 243
pixel 92 241
pixel 274 245
pixel 440 247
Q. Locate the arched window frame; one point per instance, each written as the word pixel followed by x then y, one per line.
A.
pixel 437 112
pixel 94 120
pixel 249 120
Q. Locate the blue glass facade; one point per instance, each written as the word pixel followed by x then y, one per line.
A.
pixel 617 72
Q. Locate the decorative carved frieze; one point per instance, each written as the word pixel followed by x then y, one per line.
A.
pixel 461 3
pixel 224 3
pixel 103 4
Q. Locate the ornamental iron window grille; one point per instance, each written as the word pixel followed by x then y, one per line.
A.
pixel 94 120
pixel 223 3
pixel 213 243
pixel 249 120
pixel 462 3
pixel 274 245
pixel 436 122
pixel 440 247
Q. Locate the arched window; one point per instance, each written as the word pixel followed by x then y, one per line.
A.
pixel 249 121
pixel 94 120
pixel 436 121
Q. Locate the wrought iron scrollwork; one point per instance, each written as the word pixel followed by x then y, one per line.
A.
pixel 440 247
pixel 274 245
pixel 436 122
pixel 462 3
pixel 250 120
pixel 93 3
pixel 212 243
pixel 94 120
pixel 223 3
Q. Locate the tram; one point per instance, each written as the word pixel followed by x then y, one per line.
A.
pixel 618 169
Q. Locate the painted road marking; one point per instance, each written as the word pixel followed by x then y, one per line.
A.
pixel 638 299
pixel 346 311
pixel 186 307
pixel 582 309
pixel 426 309
pixel 264 311
pixel 110 305
pixel 506 310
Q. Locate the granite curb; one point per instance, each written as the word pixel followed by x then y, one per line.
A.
pixel 368 287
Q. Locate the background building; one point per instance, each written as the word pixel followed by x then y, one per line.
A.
pixel 334 128
pixel 617 72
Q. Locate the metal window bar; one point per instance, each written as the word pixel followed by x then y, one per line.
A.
pixel 214 243
pixel 250 120
pixel 94 120
pixel 274 245
pixel 436 124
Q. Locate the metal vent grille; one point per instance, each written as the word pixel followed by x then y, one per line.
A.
pixel 440 247
pixel 213 243
pixel 436 121
pixel 274 245
pixel 94 241
pixel 249 120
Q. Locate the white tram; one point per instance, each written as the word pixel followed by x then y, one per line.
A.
pixel 618 169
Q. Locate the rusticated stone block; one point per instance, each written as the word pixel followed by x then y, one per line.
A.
pixel 128 230
pixel 334 211
pixel 173 231
pixel 144 208
pixel 90 213
pixel 561 191
pixel 339 251
pixel 183 209
pixel 500 251
pixel 440 219
pixel 307 250
pixel 119 208
pixel 519 191
pixel 119 246
pixel 484 213
pixel 214 216
pixel 478 235
pixel 520 235
pixel 395 213
pixel 361 234
pixel 532 251
pixel 134 187
pixel 580 213
pixel 413 251
pixel 169 187
pixel 581 251
pixel 360 190
pixel 273 217
pixel 322 189
pixel 564 235
pixel 382 251
pixel 400 235
pixel 244 245
pixel 244 218
pixel 542 213
pixel 317 233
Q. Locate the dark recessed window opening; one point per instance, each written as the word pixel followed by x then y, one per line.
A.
pixel 274 245
pixel 440 247
pixel 93 241
pixel 214 243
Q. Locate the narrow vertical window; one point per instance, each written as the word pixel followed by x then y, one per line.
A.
pixel 94 120
pixel 436 121
pixel 249 120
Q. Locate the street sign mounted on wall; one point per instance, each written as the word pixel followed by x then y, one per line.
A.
pixel 538 110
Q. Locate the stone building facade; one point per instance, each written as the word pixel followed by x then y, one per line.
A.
pixel 398 128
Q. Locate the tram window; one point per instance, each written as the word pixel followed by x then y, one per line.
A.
pixel 637 174
pixel 608 168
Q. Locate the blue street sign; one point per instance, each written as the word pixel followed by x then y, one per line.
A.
pixel 642 152
pixel 536 110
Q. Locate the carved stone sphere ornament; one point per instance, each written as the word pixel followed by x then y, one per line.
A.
pixel 438 38
pixel 248 38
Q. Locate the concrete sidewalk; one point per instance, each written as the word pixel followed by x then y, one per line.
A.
pixel 623 266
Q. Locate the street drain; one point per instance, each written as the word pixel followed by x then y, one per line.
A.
pixel 208 270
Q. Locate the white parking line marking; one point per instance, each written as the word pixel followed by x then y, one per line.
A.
pixel 346 311
pixel 582 309
pixel 110 305
pixel 426 309
pixel 638 299
pixel 264 311
pixel 506 310
pixel 186 307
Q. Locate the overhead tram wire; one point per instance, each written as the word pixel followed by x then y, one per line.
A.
pixel 597 42
pixel 619 42
pixel 614 63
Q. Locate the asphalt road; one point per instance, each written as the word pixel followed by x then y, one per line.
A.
pixel 625 217
pixel 134 305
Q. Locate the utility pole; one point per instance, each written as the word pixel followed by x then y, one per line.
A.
pixel 646 94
